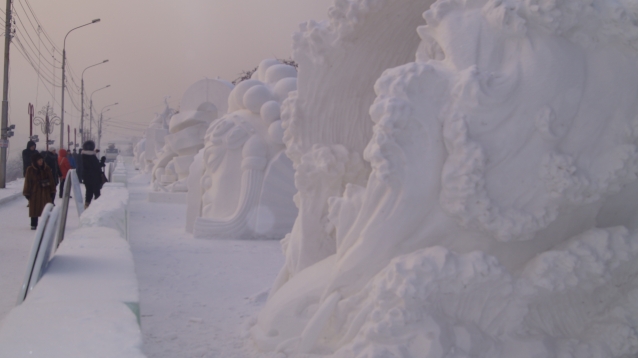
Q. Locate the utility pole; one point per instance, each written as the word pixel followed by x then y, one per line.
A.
pixel 64 78
pixel 99 132
pixel 4 134
pixel 90 137
pixel 82 110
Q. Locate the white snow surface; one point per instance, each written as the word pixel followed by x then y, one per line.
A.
pixel 86 303
pixel 198 298
pixel 109 210
pixel 12 189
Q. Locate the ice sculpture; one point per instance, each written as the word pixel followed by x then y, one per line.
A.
pixel 248 182
pixel 500 215
pixel 202 103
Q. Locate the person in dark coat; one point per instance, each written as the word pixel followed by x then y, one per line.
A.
pixel 26 156
pixel 92 172
pixel 51 159
pixel 39 187
pixel 78 162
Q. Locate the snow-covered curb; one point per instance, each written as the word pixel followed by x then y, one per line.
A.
pixel 87 303
pixel 12 191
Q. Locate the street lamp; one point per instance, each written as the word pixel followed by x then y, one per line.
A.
pixel 99 128
pixel 64 78
pixel 82 95
pixel 91 109
pixel 47 120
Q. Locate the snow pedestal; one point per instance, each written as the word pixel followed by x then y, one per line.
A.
pixel 499 217
pixel 87 302
pixel 247 181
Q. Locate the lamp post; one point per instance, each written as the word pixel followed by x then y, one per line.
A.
pixel 91 110
pixel 82 95
pixel 64 77
pixel 47 120
pixel 99 128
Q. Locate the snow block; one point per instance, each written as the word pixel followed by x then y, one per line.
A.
pixel 109 210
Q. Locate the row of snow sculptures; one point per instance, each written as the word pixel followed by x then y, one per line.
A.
pixel 148 150
pixel 248 181
pixel 500 212
pixel 202 103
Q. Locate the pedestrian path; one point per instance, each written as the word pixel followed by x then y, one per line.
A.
pixel 197 297
pixel 16 239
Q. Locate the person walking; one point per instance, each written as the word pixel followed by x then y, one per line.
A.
pixel 92 172
pixel 78 162
pixel 64 166
pixel 71 158
pixel 39 187
pixel 51 159
pixel 26 156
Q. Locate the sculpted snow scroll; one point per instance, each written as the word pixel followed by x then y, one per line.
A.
pixel 499 214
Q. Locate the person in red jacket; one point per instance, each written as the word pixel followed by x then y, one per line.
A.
pixel 63 163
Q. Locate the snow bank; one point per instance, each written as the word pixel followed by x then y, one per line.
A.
pixel 499 216
pixel 109 210
pixel 87 302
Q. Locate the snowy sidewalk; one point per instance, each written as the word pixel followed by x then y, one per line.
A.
pixel 196 296
pixel 16 239
pixel 12 191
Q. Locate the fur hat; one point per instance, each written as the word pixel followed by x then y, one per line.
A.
pixel 35 157
pixel 88 145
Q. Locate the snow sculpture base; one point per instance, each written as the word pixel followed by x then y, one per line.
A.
pixel 167 197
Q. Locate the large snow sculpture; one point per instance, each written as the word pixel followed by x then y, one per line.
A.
pixel 326 119
pixel 248 180
pixel 500 216
pixel 202 103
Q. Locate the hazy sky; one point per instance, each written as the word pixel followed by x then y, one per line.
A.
pixel 155 48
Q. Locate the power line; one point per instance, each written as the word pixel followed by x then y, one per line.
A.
pixel 35 17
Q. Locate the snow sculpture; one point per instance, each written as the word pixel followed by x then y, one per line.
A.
pixel 201 104
pixel 138 154
pixel 500 216
pixel 248 181
pixel 153 140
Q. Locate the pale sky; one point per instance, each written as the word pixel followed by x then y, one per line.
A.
pixel 155 48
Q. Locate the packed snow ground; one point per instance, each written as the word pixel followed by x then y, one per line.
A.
pixel 16 239
pixel 197 297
